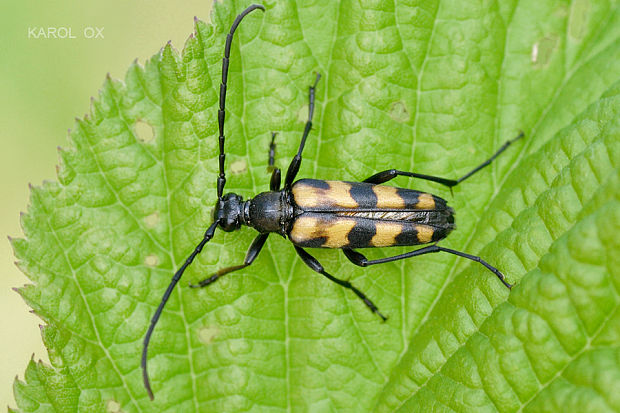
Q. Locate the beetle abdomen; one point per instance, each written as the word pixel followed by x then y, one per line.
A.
pixel 319 195
pixel 338 214
pixel 328 230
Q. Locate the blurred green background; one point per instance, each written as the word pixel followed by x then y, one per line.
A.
pixel 45 84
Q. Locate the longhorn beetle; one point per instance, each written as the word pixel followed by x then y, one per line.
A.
pixel 315 213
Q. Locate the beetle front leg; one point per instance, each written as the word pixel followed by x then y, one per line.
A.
pixel 251 255
pixel 272 152
pixel 276 178
pixel 293 168
pixel 276 175
pixel 312 262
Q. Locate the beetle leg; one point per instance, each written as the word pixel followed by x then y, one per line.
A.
pixel 312 262
pixel 276 175
pixel 293 168
pixel 272 152
pixel 390 174
pixel 276 178
pixel 251 255
pixel 359 259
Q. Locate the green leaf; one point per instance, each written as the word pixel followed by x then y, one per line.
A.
pixel 432 87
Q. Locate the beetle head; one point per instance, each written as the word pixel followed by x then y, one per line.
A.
pixel 228 212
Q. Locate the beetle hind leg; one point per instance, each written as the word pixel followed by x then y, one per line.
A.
pixel 359 259
pixel 314 264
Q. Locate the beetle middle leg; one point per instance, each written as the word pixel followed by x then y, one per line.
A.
pixel 314 264
pixel 390 174
pixel 251 255
pixel 359 259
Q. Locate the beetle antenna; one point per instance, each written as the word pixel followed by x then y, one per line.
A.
pixel 221 181
pixel 175 279
pixel 221 114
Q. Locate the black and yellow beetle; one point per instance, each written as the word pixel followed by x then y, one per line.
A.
pixel 315 213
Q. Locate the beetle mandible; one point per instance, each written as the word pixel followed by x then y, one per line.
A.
pixel 314 213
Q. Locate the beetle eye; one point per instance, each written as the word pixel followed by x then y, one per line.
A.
pixel 215 210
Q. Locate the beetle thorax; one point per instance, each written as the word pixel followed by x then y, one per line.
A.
pixel 268 212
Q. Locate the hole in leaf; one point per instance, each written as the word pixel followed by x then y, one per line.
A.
pixel 144 131
pixel 238 167
pixel 151 260
pixel 152 220
pixel 207 334
pixel 543 50
pixel 112 406
pixel 399 112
